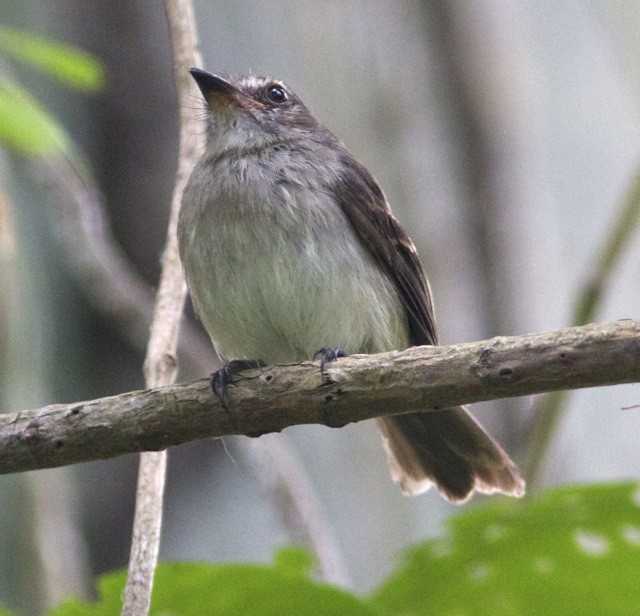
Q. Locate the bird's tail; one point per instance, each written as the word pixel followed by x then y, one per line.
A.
pixel 449 449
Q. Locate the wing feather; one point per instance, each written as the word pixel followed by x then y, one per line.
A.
pixel 366 207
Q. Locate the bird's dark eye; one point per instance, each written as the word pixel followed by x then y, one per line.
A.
pixel 276 94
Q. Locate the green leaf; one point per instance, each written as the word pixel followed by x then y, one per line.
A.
pixel 68 64
pixel 26 126
pixel 293 559
pixel 194 589
pixel 571 551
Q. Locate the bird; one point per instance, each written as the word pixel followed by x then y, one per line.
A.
pixel 290 249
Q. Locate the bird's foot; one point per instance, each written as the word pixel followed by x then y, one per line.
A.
pixel 221 379
pixel 329 354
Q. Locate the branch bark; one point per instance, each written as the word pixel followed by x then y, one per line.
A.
pixel 360 387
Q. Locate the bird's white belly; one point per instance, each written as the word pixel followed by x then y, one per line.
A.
pixel 278 299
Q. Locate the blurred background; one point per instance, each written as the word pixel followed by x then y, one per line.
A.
pixel 507 139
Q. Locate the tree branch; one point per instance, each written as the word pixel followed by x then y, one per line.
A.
pixel 360 387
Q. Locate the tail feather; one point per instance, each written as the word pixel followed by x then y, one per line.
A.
pixel 449 449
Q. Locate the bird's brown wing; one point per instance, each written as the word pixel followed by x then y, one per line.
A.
pixel 447 448
pixel 367 209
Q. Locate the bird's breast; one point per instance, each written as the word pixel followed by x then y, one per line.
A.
pixel 276 271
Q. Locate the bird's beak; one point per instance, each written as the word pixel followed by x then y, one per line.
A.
pixel 212 84
pixel 216 90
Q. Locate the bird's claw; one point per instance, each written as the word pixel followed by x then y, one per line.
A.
pixel 329 354
pixel 221 379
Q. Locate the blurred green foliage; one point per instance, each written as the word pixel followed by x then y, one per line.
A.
pixel 25 125
pixel 72 66
pixel 570 551
pixel 195 589
pixel 293 559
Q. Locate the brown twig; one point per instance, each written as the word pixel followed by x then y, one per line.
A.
pixel 160 366
pixel 361 387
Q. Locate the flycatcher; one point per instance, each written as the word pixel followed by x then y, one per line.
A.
pixel 290 249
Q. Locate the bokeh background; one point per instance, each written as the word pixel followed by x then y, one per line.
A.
pixel 507 138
